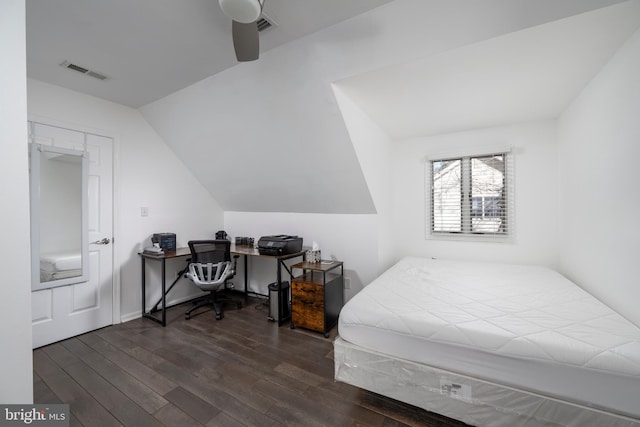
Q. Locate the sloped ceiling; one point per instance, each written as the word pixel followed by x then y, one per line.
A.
pixel 269 136
pixel 527 75
pixel 152 48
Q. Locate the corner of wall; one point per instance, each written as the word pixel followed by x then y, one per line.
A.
pixel 598 138
pixel 16 369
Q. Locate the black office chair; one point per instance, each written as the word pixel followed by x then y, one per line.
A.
pixel 210 269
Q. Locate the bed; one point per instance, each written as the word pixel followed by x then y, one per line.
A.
pixel 60 265
pixel 491 345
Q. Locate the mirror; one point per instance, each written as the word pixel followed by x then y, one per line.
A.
pixel 59 247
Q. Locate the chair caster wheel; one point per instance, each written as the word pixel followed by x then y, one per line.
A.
pixel 219 316
pixel 326 334
pixel 292 326
pixel 187 316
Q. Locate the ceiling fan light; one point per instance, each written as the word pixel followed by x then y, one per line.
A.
pixel 243 11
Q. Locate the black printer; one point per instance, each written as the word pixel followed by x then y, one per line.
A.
pixel 280 244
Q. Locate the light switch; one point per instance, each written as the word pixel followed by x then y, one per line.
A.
pixel 144 211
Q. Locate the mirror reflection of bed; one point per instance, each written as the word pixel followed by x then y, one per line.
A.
pixel 60 265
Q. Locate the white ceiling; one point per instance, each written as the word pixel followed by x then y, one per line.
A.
pixel 416 67
pixel 532 74
pixel 151 48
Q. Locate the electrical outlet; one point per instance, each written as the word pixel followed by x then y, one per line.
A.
pixel 347 282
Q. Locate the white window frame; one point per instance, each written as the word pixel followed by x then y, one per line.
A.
pixel 466 215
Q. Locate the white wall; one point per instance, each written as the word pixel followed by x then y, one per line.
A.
pixel 599 150
pixel 147 174
pixel 348 238
pixel 16 369
pixel 535 237
pixel 373 148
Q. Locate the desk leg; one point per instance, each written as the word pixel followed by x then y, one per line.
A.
pixel 163 298
pixel 144 286
pixel 181 273
pixel 246 278
pixel 164 292
pixel 279 272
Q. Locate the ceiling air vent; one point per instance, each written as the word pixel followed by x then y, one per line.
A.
pixel 264 23
pixel 68 65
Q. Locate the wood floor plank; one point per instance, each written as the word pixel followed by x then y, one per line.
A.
pixel 60 354
pixel 191 404
pixel 212 394
pixel 224 420
pixel 130 414
pixel 239 381
pixel 46 395
pixel 81 404
pixel 170 415
pixel 404 413
pixel 119 405
pixel 309 409
pixel 134 367
pixel 344 403
pixel 40 388
pixel 240 371
pixel 142 395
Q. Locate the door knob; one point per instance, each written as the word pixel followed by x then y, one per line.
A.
pixel 104 241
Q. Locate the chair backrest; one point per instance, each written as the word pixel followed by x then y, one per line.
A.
pixel 210 263
pixel 209 276
pixel 210 251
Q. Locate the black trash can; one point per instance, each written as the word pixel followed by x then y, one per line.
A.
pixel 279 301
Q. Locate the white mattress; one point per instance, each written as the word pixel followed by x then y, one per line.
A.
pixel 520 326
pixel 52 262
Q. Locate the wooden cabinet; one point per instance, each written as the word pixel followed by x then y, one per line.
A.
pixel 317 295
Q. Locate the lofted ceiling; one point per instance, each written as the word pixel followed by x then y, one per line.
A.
pixel 531 74
pixel 151 48
pixel 269 135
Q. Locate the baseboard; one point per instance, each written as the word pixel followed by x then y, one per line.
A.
pixel 138 314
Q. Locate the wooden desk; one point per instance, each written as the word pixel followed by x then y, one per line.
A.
pixel 245 251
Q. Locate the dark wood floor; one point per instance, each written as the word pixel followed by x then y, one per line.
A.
pixel 240 371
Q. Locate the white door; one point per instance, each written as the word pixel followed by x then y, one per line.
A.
pixel 65 311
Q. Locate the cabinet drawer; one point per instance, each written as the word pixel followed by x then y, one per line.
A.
pixel 307 305
pixel 309 292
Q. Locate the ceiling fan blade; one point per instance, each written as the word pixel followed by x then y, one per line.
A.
pixel 246 41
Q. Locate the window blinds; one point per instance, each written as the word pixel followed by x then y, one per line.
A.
pixel 471 195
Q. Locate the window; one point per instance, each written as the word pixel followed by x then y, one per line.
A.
pixel 470 195
pixel 485 206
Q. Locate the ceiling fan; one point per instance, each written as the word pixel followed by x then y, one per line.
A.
pixel 245 14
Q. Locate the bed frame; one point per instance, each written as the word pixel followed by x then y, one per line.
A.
pixel 467 399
